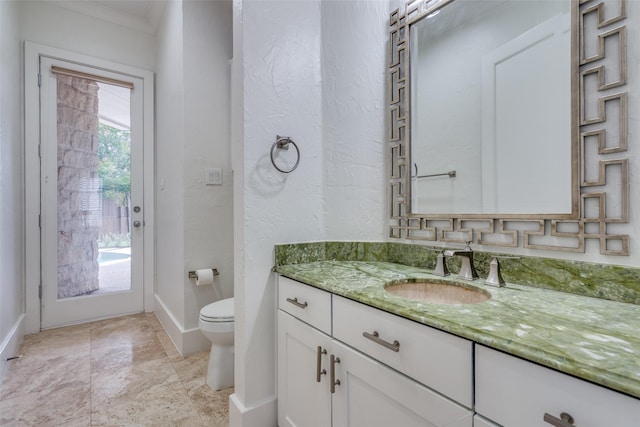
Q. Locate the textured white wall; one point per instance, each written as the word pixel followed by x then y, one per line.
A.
pixel 280 53
pixel 208 210
pixel 11 184
pixel 169 163
pixel 194 220
pixel 304 75
pixel 354 75
pixel 44 22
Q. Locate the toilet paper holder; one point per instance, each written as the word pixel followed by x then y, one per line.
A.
pixel 193 275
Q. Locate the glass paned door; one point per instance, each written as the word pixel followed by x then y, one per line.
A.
pixel 114 171
pixel 91 169
pixel 94 187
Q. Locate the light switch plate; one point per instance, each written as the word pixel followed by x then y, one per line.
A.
pixel 213 176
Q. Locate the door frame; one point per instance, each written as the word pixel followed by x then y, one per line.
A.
pixel 33 278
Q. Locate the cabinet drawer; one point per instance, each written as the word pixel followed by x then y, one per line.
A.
pixel 436 359
pixel 309 304
pixel 517 393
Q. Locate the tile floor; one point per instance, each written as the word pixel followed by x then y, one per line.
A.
pixel 116 372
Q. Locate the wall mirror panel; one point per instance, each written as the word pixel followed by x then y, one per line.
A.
pixel 491 109
pixel 508 123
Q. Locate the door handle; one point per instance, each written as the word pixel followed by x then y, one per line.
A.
pixel 565 420
pixel 332 364
pixel 297 303
pixel 319 370
pixel 137 223
pixel 375 337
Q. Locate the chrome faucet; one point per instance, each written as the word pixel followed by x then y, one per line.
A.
pixel 467 269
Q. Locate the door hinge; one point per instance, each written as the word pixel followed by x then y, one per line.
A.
pixel 40 150
pixel 39 79
pixel 40 291
pixel 39 221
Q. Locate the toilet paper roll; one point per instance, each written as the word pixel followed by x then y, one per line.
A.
pixel 204 276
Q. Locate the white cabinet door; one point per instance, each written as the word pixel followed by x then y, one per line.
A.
pixel 517 393
pixel 373 395
pixel 302 400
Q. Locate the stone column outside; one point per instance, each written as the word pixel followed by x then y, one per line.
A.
pixel 79 200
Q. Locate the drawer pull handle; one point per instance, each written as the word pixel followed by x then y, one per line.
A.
pixel 319 370
pixel 297 303
pixel 565 420
pixel 375 337
pixel 334 382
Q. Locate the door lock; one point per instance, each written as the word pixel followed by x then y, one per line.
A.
pixel 137 223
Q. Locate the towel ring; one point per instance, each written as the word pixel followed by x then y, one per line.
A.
pixel 282 143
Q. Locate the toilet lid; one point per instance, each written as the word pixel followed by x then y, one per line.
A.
pixel 219 311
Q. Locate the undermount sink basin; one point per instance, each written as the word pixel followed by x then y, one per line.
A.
pixel 434 292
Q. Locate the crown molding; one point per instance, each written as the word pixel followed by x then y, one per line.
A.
pixel 147 24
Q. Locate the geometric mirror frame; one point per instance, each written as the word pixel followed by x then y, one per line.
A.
pixel 600 161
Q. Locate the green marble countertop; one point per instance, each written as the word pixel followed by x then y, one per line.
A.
pixel 593 339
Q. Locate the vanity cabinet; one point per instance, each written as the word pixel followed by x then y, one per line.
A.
pixel 514 392
pixel 440 360
pixel 324 381
pixel 479 421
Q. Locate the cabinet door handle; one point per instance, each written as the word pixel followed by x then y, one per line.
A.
pixel 319 370
pixel 297 303
pixel 565 420
pixel 375 337
pixel 334 382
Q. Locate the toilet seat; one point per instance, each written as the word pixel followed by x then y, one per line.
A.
pixel 220 311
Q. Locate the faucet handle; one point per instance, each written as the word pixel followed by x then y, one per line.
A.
pixel 495 276
pixel 441 265
pixel 467 245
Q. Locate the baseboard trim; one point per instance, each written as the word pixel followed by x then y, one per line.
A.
pixel 263 415
pixel 193 341
pixel 11 344
pixel 185 341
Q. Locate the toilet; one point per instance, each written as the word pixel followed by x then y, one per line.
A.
pixel 216 323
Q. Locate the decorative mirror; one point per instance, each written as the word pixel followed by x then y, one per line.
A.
pixel 507 122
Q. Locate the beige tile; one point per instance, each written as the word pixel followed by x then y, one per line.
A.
pixel 194 384
pixel 107 359
pixel 192 367
pixel 66 404
pixel 33 373
pixel 132 382
pixel 154 322
pixel 121 321
pixel 115 372
pixel 169 348
pixel 58 342
pixel 162 405
pixel 213 406
pixel 127 330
